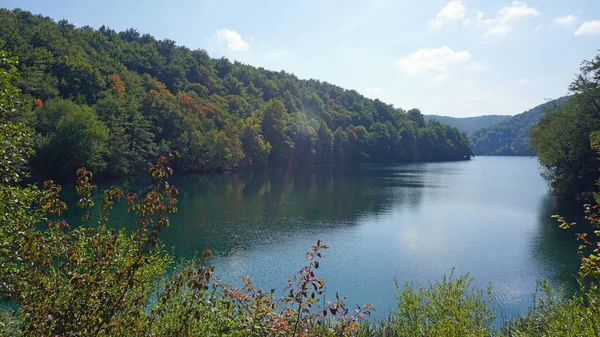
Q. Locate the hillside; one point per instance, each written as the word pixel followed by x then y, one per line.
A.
pixel 511 136
pixel 468 125
pixel 113 101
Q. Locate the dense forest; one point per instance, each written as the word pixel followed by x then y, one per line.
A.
pixel 468 125
pixel 112 101
pixel 511 137
pixel 567 137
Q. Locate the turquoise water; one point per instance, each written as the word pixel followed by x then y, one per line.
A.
pixel 414 222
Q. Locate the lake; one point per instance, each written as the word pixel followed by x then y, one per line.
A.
pixel 489 216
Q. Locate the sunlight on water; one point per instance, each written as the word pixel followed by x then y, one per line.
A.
pixel 413 222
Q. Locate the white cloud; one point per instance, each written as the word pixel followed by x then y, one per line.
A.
pixel 476 66
pixel 453 11
pixel 372 92
pixel 497 30
pixel 589 28
pixel 439 78
pixel 515 11
pixel 437 59
pixel 523 81
pixel 232 40
pixel 566 20
pixel 500 24
pixel 478 20
pixel 538 28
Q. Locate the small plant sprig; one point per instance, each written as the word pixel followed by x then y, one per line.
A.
pixel 589 259
pixel 305 297
pixel 299 312
pixel 50 204
pixel 85 190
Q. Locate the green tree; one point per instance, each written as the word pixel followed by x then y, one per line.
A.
pixel 314 106
pixel 255 147
pixel 78 139
pixel 325 144
pixel 235 145
pixel 563 137
pixel 305 140
pixel 218 155
pixel 384 142
pixel 15 139
pixel 340 144
pixel 131 144
pixel 79 80
pixel 416 116
pixel 276 131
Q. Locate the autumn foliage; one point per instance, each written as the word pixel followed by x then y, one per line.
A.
pixel 117 85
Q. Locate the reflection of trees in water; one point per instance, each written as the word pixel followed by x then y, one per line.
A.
pixel 555 248
pixel 236 211
pixel 119 217
pixel 233 211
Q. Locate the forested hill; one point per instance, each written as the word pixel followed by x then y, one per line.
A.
pixel 468 125
pixel 511 137
pixel 112 101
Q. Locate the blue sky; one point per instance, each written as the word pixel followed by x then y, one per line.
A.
pixel 456 58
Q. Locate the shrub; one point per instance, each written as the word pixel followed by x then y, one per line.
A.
pixel 555 314
pixel 450 307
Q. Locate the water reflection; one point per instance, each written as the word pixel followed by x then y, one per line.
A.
pixel 555 248
pixel 413 222
pixel 234 212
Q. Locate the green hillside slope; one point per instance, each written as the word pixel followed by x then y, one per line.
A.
pixel 469 125
pixel 112 101
pixel 511 136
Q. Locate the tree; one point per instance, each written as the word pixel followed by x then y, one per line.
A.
pixel 255 147
pixel 384 142
pixel 16 143
pixel 564 137
pixel 305 139
pixel 131 144
pixel 409 141
pixel 276 130
pixel 218 155
pixel 79 80
pixel 416 116
pixel 340 143
pixel 79 139
pixel 325 144
pixel 314 106
pixel 237 151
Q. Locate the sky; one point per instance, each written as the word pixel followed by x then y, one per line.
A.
pixel 455 58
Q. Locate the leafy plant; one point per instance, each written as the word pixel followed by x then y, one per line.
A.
pixel 450 307
pixel 555 313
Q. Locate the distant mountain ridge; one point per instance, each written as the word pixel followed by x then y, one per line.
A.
pixel 469 125
pixel 510 137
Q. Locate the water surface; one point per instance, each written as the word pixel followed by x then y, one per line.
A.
pixel 489 217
